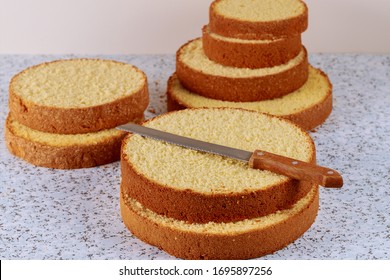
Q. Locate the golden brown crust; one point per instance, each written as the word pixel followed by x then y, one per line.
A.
pixel 250 54
pixel 201 208
pixel 78 120
pixel 66 157
pixel 198 207
pixel 248 30
pixel 314 116
pixel 250 244
pixel 308 118
pixel 242 89
pixel 172 103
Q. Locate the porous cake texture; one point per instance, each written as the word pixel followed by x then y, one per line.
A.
pixel 250 53
pixel 78 95
pixel 207 78
pixel 62 151
pixel 199 187
pixel 258 19
pixel 309 106
pixel 244 239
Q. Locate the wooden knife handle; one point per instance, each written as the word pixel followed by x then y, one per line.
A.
pixel 296 169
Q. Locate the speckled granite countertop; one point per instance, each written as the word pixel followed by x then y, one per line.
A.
pixel 56 214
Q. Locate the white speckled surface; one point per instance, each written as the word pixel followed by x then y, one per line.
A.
pixel 56 214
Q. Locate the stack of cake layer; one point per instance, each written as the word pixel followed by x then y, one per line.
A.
pixel 251 56
pixel 196 205
pixel 63 114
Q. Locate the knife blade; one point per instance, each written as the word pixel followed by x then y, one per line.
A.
pixel 257 159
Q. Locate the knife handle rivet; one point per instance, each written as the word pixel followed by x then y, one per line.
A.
pixel 260 153
pixel 330 172
pixel 294 162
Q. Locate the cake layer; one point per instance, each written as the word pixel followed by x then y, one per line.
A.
pixel 234 240
pixel 309 106
pixel 200 187
pixel 258 19
pixel 78 95
pixel 63 151
pixel 205 77
pixel 250 53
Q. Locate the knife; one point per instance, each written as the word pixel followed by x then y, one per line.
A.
pixel 258 159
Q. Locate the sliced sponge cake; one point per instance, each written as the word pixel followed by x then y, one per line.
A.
pixel 63 151
pixel 78 95
pixel 200 187
pixel 244 239
pixel 250 53
pixel 207 78
pixel 309 106
pixel 258 19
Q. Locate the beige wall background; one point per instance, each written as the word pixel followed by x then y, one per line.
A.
pixel 162 26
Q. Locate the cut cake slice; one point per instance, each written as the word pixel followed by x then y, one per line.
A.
pixel 78 95
pixel 244 239
pixel 205 77
pixel 258 19
pixel 309 106
pixel 250 53
pixel 199 187
pixel 63 151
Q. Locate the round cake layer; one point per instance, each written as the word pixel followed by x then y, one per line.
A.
pixel 250 53
pixel 63 151
pixel 234 240
pixel 309 106
pixel 258 19
pixel 78 95
pixel 205 77
pixel 201 187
